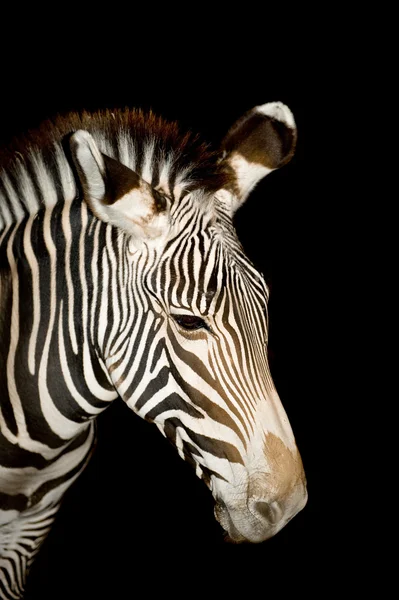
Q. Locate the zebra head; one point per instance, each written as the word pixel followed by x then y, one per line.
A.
pixel 189 350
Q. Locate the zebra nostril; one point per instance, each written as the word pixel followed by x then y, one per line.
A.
pixel 268 511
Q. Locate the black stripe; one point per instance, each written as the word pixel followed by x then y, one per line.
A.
pixel 217 448
pixel 5 337
pixel 173 402
pixel 14 457
pixel 21 502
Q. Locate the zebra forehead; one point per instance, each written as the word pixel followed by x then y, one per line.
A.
pixel 209 263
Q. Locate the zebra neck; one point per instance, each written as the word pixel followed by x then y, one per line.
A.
pixel 52 308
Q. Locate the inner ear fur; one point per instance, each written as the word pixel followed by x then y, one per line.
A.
pixel 115 193
pixel 119 179
pixel 263 140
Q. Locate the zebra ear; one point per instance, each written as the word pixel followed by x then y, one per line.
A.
pixel 115 193
pixel 261 141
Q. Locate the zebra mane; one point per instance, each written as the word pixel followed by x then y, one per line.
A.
pixel 35 166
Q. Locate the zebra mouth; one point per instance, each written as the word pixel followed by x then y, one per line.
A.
pixel 223 518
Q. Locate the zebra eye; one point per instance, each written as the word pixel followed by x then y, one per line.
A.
pixel 190 322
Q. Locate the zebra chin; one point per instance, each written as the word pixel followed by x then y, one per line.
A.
pixel 258 520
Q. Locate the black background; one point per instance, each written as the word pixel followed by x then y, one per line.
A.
pixel 138 513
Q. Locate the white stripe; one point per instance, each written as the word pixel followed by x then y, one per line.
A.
pixel 14 337
pixel 126 150
pixel 95 277
pixel 66 176
pixel 28 193
pixel 146 171
pixel 44 181
pixel 112 289
pixel 18 208
pixel 34 267
pixel 5 213
pixel 164 176
pixel 66 227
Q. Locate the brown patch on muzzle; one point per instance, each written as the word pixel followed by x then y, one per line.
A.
pixel 286 469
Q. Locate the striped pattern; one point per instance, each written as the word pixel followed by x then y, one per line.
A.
pixel 86 316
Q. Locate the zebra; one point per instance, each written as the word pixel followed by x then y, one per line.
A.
pixel 121 275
